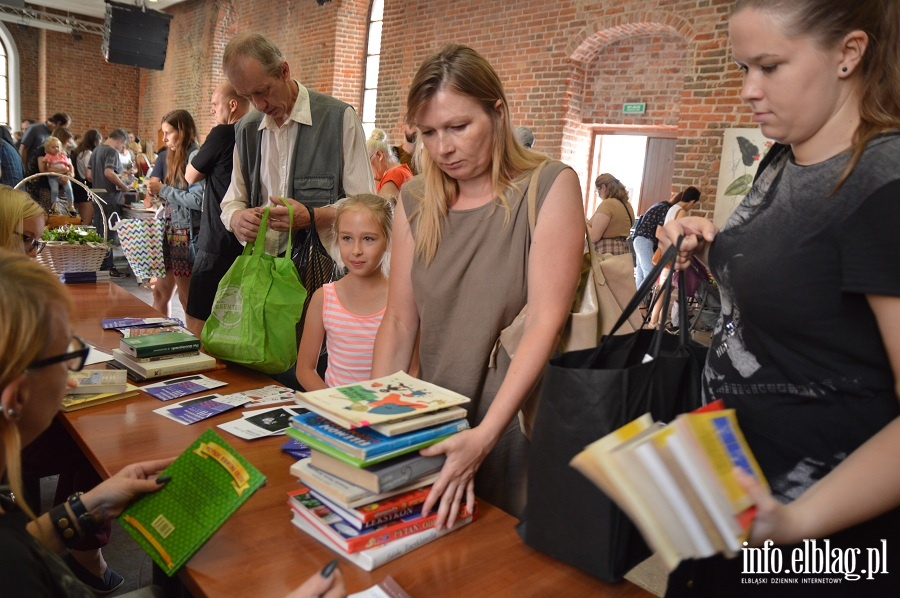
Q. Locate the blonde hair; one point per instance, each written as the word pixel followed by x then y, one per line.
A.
pixel 380 208
pixel 50 140
pixel 15 207
pixel 147 150
pixel 464 71
pixel 377 142
pixel 26 306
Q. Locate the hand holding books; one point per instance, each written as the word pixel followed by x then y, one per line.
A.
pixel 464 451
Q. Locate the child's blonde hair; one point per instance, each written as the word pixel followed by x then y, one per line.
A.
pixel 50 141
pixel 381 210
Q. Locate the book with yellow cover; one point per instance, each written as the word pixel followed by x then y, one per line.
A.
pixel 209 481
pixel 677 482
pixel 74 402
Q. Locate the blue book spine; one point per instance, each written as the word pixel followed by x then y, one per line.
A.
pixel 364 443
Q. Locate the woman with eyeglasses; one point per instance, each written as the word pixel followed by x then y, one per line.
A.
pixel 53 452
pixel 21 222
pixel 38 351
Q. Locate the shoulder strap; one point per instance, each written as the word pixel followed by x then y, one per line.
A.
pixel 531 195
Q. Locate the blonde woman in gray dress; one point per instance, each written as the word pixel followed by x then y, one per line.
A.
pixel 464 263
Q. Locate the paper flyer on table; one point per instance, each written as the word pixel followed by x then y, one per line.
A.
pixel 181 387
pixel 193 410
pixel 270 395
pixel 261 423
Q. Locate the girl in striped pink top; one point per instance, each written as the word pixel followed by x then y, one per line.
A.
pixel 346 314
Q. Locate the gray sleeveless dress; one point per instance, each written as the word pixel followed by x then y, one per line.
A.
pixel 475 287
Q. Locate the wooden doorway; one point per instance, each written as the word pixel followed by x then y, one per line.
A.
pixel 643 159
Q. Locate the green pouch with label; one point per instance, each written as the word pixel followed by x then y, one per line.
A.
pixel 257 306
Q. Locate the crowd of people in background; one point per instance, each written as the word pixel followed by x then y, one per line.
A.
pixel 807 348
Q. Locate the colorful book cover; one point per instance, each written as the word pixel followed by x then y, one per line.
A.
pixel 336 453
pixel 176 388
pixel 365 443
pixel 389 398
pixel 348 538
pixel 209 481
pixel 372 558
pixel 379 512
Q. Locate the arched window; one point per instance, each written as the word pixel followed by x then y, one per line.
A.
pixel 9 80
pixel 373 57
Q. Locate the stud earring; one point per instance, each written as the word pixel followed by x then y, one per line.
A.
pixel 843 69
pixel 12 413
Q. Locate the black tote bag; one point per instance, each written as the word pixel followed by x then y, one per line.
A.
pixel 584 396
pixel 314 264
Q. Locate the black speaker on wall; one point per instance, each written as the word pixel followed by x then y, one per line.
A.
pixel 135 36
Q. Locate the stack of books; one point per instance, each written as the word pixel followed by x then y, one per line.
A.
pixel 155 354
pixel 95 387
pixel 676 482
pixel 364 483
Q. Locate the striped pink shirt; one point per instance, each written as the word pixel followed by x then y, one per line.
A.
pixel 350 340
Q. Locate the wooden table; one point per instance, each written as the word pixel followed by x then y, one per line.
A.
pixel 258 551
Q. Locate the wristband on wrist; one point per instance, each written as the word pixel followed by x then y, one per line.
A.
pixel 64 523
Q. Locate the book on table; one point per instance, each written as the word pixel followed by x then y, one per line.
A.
pixel 372 558
pixel 348 538
pixel 382 400
pixel 155 345
pixel 364 445
pixel 381 477
pixel 345 494
pixel 209 481
pixel 141 371
pixel 74 402
pixel 91 382
pixel 379 512
pixel 676 482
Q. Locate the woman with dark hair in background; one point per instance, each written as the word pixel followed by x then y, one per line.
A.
pixel 81 158
pixel 183 203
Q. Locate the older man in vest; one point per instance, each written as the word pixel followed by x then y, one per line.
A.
pixel 297 146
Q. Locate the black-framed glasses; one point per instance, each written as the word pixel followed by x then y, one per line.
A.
pixel 33 244
pixel 74 356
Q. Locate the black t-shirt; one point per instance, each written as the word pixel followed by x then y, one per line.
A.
pixel 28 569
pixel 797 350
pixel 653 217
pixel 214 160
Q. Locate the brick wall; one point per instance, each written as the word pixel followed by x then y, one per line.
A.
pixel 78 81
pixel 567 66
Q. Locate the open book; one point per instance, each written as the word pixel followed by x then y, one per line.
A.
pixel 676 482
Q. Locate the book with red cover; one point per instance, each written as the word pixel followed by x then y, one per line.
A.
pixel 348 538
pixel 378 512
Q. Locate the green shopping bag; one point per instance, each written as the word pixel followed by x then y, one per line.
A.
pixel 257 306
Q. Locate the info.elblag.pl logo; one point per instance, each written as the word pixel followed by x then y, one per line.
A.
pixel 815 561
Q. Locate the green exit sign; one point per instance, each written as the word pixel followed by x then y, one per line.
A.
pixel 634 108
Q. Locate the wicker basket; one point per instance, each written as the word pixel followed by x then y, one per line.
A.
pixel 61 256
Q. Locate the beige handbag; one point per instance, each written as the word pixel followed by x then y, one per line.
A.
pixel 615 286
pixel 581 328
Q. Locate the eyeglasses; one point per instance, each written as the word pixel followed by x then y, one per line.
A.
pixel 32 244
pixel 75 356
